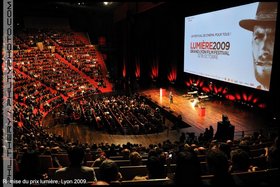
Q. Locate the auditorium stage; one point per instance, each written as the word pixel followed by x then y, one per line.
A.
pixel 242 117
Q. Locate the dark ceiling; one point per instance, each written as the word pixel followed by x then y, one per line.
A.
pixel 87 15
pixel 60 7
pixel 71 7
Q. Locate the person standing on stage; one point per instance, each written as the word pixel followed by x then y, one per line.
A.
pixel 170 97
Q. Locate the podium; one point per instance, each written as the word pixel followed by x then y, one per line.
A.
pixel 202 110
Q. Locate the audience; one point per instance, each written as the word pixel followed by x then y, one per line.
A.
pixel 187 170
pixel 125 153
pixel 135 158
pixel 240 161
pixel 109 171
pixel 218 166
pixel 29 166
pixel 97 162
pixel 43 82
pixel 273 154
pixel 183 155
pixel 76 169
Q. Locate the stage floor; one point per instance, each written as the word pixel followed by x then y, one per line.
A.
pixel 243 118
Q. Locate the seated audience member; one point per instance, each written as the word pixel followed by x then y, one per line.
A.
pixel 224 147
pixel 200 151
pixel 155 167
pixel 97 162
pixel 125 153
pixel 240 161
pixel 30 167
pixel 55 160
pixel 109 171
pixel 76 170
pixel 218 166
pixel 135 158
pixel 187 169
pixel 273 154
pixel 156 170
pixel 99 183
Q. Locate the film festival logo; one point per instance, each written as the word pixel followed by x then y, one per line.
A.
pixel 210 49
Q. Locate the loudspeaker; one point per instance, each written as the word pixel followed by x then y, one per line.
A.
pixel 225 131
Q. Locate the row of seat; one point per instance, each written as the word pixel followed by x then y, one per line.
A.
pixel 266 176
pixel 262 177
pixel 129 172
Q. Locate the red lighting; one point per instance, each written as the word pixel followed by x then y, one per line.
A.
pixel 230 97
pixel 188 84
pixel 154 73
pixel 237 96
pixel 198 83
pixel 205 89
pixel 215 89
pixel 262 105
pixel 172 76
pixel 245 98
pixel 250 97
pixel 225 91
pixel 255 100
pixel 124 71
pixel 137 71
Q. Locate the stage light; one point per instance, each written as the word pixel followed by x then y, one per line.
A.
pixel 194 102
pixel 107 3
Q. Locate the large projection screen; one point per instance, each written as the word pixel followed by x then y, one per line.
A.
pixel 219 45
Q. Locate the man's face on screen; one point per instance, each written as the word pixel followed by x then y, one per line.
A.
pixel 263 46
